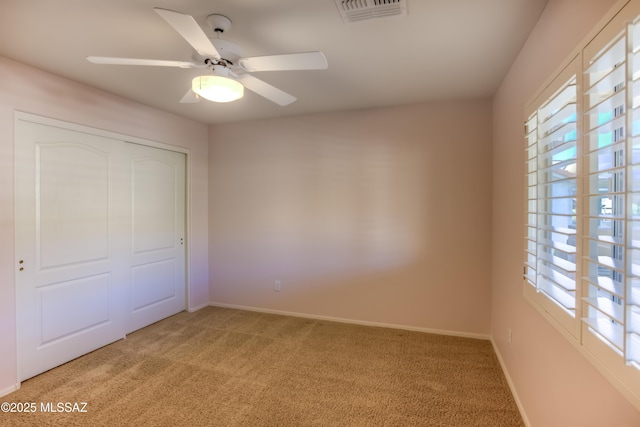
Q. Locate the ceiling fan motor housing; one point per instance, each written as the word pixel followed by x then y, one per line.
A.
pixel 229 52
pixel 218 23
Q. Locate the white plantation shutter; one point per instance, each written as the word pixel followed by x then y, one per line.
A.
pixel 557 191
pixel 632 297
pixel 612 258
pixel 531 166
pixel 551 240
pixel 606 117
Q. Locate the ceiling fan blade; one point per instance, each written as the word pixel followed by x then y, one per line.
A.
pixel 189 29
pixel 291 61
pixel 190 97
pixel 134 61
pixel 262 88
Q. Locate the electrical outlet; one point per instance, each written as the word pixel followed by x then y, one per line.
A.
pixel 509 336
pixel 276 285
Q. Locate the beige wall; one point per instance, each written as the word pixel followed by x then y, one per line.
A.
pixel 378 216
pixel 556 385
pixel 23 88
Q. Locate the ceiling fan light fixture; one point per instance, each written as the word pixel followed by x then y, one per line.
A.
pixel 217 88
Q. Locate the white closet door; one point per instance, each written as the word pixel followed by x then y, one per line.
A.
pixel 157 254
pixel 99 239
pixel 71 197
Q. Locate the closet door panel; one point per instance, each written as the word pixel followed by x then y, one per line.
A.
pixel 69 240
pixel 157 235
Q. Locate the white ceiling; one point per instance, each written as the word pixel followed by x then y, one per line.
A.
pixel 442 49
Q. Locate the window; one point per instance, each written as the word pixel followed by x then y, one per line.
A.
pixel 552 243
pixel 582 238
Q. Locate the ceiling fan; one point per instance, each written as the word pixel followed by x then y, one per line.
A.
pixel 228 71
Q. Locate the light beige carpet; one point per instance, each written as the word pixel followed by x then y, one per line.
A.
pixel 224 367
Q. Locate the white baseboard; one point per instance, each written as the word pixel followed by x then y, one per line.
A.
pixel 352 321
pixel 198 307
pixel 9 390
pixel 512 387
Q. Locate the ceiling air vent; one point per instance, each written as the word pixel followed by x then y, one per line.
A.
pixel 363 10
